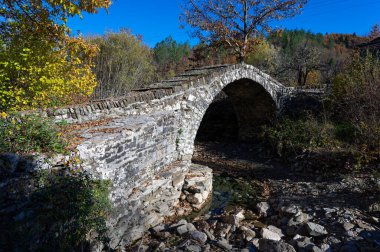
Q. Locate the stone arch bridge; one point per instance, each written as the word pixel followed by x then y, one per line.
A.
pixel 144 142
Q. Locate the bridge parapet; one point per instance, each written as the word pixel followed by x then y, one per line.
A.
pixel 193 78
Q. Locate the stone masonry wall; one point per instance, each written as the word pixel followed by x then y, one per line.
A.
pixel 133 152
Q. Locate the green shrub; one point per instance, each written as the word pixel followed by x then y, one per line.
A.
pixel 295 136
pixel 60 213
pixel 323 140
pixel 27 134
pixel 345 132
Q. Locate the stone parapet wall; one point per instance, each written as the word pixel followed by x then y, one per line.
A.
pixel 190 79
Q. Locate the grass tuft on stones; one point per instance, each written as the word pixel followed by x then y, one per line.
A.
pixel 29 134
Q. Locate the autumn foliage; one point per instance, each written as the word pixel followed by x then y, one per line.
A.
pixel 122 64
pixel 41 64
pixel 237 23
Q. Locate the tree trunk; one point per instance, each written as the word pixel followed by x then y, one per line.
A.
pixel 241 57
pixel 299 81
pixel 305 78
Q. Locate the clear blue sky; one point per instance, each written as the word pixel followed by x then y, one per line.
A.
pixel 157 19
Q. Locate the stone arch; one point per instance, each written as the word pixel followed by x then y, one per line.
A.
pixel 241 84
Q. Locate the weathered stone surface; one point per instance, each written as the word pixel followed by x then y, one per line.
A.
pixel 198 185
pixel 299 218
pixel 248 233
pixel 348 226
pixel 275 246
pixel 182 229
pixel 190 227
pixel 263 208
pixel 195 199
pixel 289 210
pixel 234 219
pixel 269 235
pixel 375 207
pixel 198 236
pixel 153 134
pixel 275 230
pixel 194 248
pixel 223 243
pixel 315 229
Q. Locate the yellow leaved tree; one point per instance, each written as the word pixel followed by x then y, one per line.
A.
pixel 41 64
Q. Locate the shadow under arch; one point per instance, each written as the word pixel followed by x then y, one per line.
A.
pixel 237 113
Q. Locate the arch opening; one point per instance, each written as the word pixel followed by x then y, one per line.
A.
pixel 237 113
pixel 228 142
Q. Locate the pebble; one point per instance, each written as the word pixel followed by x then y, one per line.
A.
pixel 248 233
pixel 299 218
pixel 289 210
pixel 190 227
pixel 263 208
pixel 269 235
pixel 198 236
pixel 223 243
pixel 195 198
pixel 193 248
pixel 276 230
pixel 348 226
pixel 275 246
pixel 181 230
pixel 209 235
pixel 315 229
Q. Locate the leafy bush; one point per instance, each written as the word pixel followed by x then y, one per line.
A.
pixel 63 211
pixel 296 136
pixel 345 132
pixel 265 57
pixel 356 98
pixel 319 144
pixel 23 135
